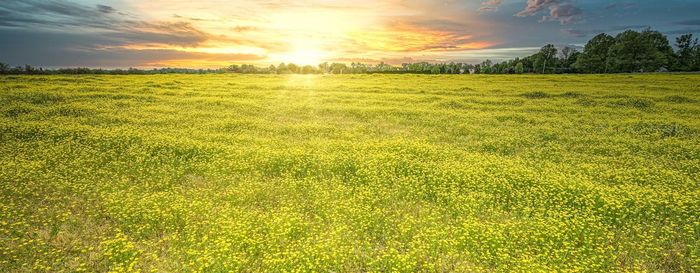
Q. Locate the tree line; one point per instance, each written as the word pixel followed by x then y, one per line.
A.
pixel 31 70
pixel 628 52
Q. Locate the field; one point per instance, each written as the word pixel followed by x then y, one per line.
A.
pixel 350 173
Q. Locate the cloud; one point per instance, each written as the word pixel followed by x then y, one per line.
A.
pixel 78 49
pixel 694 22
pixel 558 10
pixel 101 36
pixel 626 27
pixel 683 31
pixel 565 14
pixel 535 6
pixel 490 5
pixel 575 32
pixel 192 18
pixel 415 35
pixel 105 9
pixel 615 5
pixel 588 32
pixel 64 16
pixel 61 8
pixel 244 28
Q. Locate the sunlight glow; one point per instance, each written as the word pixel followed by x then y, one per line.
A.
pixel 309 33
pixel 303 57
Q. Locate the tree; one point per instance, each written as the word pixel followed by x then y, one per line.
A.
pixel 639 52
pixel 547 55
pixel 519 68
pixel 293 68
pixel 659 42
pixel 594 58
pixel 568 57
pixel 232 68
pixel 282 69
pixel 628 52
pixel 248 69
pixel 307 69
pixel 4 68
pixel 486 67
pixel 271 69
pixel 338 68
pixel 359 68
pixel 696 66
pixel 28 69
pixel 324 67
pixel 383 67
pixel 687 49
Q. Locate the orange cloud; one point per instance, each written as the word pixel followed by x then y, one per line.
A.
pixel 295 30
pixel 405 37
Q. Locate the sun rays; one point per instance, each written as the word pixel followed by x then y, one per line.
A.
pixel 306 33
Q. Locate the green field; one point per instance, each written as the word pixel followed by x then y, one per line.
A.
pixel 350 173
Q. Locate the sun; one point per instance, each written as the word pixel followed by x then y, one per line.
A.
pixel 303 57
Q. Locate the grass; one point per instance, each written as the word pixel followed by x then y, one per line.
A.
pixel 350 173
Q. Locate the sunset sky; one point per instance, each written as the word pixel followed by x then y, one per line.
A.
pixel 215 33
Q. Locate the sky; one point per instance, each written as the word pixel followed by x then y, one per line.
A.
pixel 217 33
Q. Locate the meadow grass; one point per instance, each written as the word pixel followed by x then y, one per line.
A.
pixel 350 173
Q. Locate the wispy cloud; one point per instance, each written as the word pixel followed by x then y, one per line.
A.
pixel 589 32
pixel 101 20
pixel 615 5
pixel 411 35
pixel 490 5
pixel 102 31
pixel 694 22
pixel 559 10
pixel 105 9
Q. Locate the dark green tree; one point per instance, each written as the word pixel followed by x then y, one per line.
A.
pixel 232 68
pixel 4 68
pixel 639 52
pixel 567 58
pixel 594 58
pixel 696 58
pixel 519 68
pixel 659 42
pixel 687 49
pixel 546 57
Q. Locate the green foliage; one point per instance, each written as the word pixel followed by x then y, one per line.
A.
pixel 546 58
pixel 687 49
pixel 633 51
pixel 519 68
pixel 350 173
pixel 338 68
pixel 594 58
